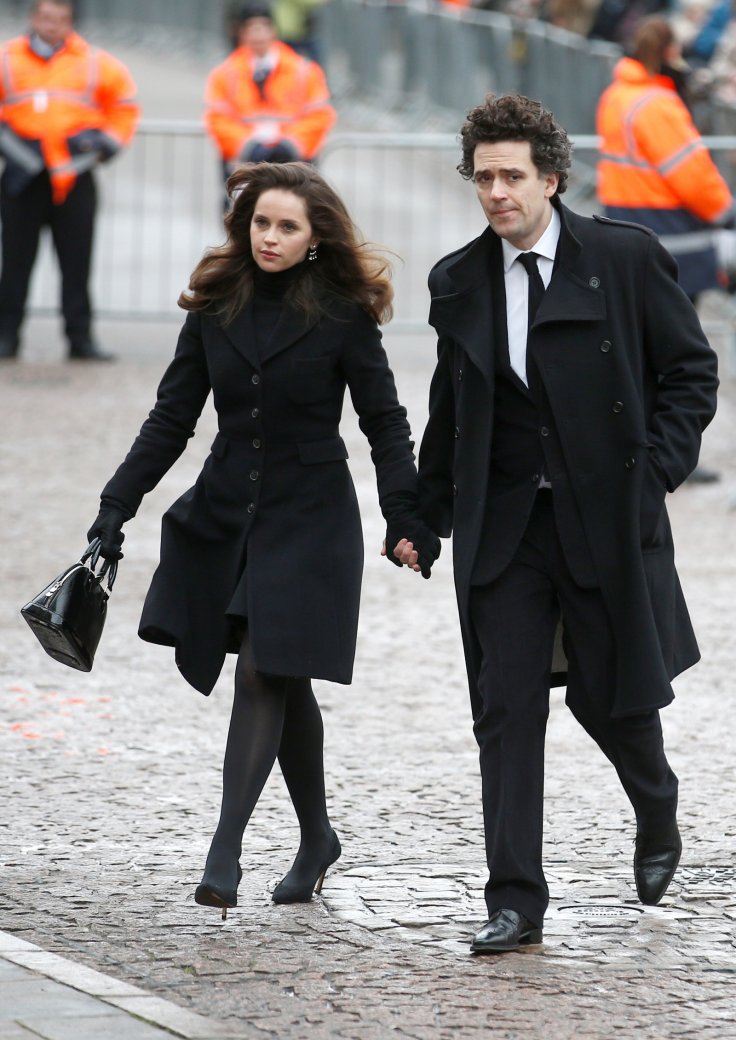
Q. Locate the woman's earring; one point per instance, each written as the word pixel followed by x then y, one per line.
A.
pixel 312 254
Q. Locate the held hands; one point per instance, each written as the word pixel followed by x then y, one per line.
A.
pixel 410 542
pixel 108 528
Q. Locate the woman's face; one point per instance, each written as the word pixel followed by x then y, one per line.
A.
pixel 280 232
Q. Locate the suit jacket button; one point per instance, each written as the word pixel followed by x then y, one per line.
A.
pixel 457 432
pixel 459 375
pixel 544 431
pixel 630 462
pixel 255 379
pixel 251 507
pixel 617 407
pixel 606 346
pixel 535 478
pixel 255 412
pixel 254 474
pixel 256 442
pixel 454 489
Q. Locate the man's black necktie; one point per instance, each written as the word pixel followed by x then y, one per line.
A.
pixel 536 285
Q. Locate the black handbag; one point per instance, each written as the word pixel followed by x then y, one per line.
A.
pixel 67 618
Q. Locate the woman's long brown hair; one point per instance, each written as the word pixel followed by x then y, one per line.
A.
pixel 346 268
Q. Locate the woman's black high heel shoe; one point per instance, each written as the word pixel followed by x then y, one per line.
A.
pixel 302 882
pixel 210 893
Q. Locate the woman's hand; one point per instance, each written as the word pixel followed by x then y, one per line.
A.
pixel 108 528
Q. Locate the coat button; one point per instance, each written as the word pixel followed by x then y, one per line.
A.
pixel 630 462
pixel 251 507
pixel 256 442
pixel 544 431
pixel 454 489
pixel 254 474
pixel 255 412
pixel 457 432
pixel 617 407
pixel 535 478
pixel 255 379
pixel 459 375
pixel 605 346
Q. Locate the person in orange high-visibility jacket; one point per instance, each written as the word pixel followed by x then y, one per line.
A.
pixel 266 103
pixel 65 106
pixel 654 168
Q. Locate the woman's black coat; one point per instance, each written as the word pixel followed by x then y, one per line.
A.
pixel 275 493
pixel 631 383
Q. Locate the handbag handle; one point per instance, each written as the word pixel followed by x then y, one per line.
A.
pixel 109 567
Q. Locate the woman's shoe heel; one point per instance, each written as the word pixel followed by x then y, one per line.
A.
pixel 320 879
pixel 208 894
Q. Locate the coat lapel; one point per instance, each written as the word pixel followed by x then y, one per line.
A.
pixel 570 297
pixel 467 314
pixel 290 327
pixel 241 333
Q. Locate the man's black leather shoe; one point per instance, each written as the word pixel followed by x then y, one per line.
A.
pixel 506 930
pixel 87 350
pixel 655 862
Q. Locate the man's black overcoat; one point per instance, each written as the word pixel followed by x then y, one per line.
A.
pixel 631 381
pixel 274 504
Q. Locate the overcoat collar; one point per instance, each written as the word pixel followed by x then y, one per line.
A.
pixel 291 326
pixel 467 313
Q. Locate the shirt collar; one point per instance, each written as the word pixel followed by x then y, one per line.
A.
pixel 546 246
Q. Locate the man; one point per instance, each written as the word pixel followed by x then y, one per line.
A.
pixel 266 103
pixel 572 387
pixel 64 107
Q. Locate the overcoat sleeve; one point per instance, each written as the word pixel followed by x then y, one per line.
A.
pixel 380 416
pixel 686 367
pixel 180 399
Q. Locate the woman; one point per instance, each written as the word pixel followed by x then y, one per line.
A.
pixel 263 556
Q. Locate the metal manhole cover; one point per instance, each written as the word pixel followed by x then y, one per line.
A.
pixel 601 910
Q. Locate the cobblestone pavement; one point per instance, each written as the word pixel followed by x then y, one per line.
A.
pixel 111 780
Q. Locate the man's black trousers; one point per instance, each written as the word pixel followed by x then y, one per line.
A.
pixel 72 227
pixel 515 619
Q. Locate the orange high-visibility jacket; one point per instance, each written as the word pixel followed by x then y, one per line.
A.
pixel 296 103
pixel 79 88
pixel 652 156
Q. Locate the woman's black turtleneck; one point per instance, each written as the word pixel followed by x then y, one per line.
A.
pixel 269 291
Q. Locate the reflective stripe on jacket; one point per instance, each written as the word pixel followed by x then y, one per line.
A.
pixel 295 103
pixel 48 101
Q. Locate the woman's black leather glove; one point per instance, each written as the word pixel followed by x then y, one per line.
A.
pixel 403 521
pixel 108 528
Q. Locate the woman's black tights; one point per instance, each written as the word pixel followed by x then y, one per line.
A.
pixel 273 716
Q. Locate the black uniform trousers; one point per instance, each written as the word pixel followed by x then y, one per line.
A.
pixel 515 619
pixel 72 228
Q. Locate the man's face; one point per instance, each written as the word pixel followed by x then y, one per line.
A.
pixel 52 22
pixel 257 34
pixel 514 195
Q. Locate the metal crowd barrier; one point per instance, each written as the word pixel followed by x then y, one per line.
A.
pixel 438 60
pixel 161 207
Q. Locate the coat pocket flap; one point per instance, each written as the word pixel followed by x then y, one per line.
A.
pixel 332 449
pixel 219 446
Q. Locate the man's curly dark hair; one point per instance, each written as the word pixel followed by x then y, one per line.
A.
pixel 514 117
